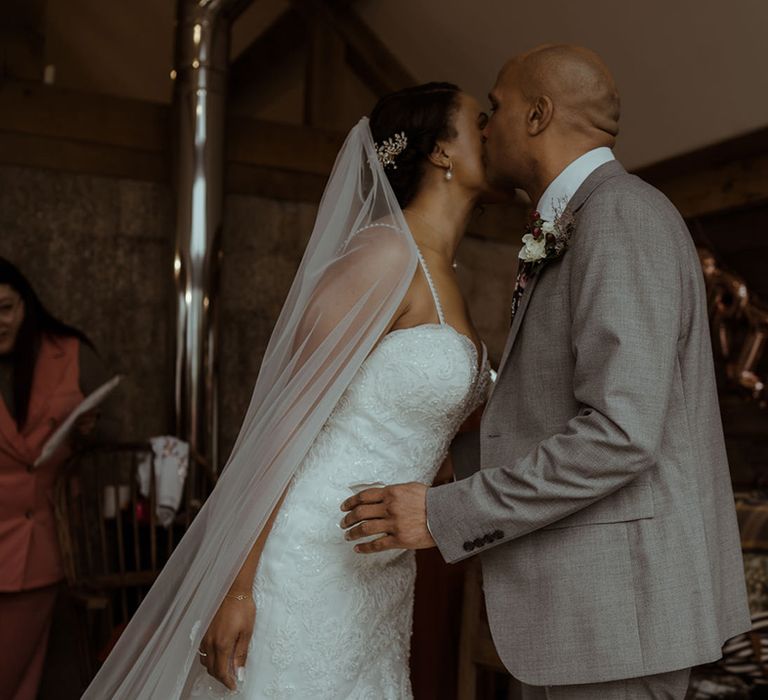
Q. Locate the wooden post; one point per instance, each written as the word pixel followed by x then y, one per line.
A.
pixel 324 88
pixel 286 35
pixel 366 53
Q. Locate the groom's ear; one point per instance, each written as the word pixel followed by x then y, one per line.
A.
pixel 539 115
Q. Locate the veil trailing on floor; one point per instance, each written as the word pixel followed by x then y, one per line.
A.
pixel 355 272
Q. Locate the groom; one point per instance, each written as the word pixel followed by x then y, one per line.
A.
pixel 597 490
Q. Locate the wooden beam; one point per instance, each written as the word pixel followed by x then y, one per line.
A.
pixel 366 53
pixel 55 153
pixel 726 175
pixel 282 146
pixel 49 127
pixel 324 86
pixel 40 110
pixel 717 154
pixel 368 57
pixel 285 35
pixel 274 183
pixel 59 129
pixel 110 161
pixel 289 33
pixel 710 190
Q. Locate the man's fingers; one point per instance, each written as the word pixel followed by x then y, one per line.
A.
pixel 403 527
pixel 375 495
pixel 360 513
pixel 379 545
pixel 369 528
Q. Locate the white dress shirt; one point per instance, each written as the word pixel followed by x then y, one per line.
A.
pixel 564 186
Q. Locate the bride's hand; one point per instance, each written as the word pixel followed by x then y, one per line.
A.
pixel 225 644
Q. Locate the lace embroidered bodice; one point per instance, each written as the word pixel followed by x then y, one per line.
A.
pixel 331 623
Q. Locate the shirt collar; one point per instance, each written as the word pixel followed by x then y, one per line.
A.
pixel 564 186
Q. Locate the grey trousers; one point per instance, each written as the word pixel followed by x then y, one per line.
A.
pixel 664 686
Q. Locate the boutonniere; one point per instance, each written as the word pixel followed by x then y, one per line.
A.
pixel 546 240
pixel 543 241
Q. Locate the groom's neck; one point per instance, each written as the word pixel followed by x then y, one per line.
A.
pixel 550 162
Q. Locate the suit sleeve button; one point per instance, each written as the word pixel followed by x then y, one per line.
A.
pixel 468 546
pixel 488 539
pixel 479 542
pixel 498 534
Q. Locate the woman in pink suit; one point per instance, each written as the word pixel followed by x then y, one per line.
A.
pixel 46 367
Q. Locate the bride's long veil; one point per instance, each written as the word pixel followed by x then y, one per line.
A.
pixel 355 272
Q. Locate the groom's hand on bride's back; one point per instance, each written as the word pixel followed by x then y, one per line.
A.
pixel 397 514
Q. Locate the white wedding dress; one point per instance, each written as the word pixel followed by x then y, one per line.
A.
pixel 330 623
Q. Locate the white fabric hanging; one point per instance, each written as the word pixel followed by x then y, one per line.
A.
pixel 356 270
pixel 168 463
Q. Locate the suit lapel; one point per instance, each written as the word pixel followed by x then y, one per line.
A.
pixel 51 367
pixel 595 179
pixel 518 319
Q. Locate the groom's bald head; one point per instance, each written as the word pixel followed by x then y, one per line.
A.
pixel 577 81
pixel 550 105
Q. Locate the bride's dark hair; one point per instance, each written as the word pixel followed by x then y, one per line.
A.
pixel 424 113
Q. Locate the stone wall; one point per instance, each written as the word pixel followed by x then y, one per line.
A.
pixel 263 244
pixel 97 251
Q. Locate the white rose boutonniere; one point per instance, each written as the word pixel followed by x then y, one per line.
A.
pixel 548 227
pixel 534 249
pixel 543 241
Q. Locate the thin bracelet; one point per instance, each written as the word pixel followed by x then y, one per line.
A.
pixel 238 596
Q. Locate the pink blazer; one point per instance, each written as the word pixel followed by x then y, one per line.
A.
pixel 29 547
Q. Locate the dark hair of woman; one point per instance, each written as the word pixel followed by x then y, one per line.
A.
pixel 38 322
pixel 424 114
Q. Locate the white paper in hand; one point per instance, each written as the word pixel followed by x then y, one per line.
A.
pixel 87 404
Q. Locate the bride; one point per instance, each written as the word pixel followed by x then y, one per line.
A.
pixel 372 367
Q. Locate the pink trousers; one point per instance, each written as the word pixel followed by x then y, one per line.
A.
pixel 25 621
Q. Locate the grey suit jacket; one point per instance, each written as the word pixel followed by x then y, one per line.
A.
pixel 603 508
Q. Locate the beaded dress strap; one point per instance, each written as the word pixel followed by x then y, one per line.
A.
pixel 432 288
pixel 424 267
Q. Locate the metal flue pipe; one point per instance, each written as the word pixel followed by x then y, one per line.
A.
pixel 199 97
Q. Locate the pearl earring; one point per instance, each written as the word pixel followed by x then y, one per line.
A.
pixel 449 173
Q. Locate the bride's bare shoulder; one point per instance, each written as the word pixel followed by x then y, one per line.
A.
pixel 384 242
